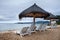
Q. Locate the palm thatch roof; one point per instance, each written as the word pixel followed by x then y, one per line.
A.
pixel 58 16
pixel 34 11
pixel 52 17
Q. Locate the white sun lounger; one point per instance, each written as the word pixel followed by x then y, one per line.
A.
pixel 44 27
pixel 26 30
pixel 23 31
pixel 39 28
pixel 53 25
pixel 32 29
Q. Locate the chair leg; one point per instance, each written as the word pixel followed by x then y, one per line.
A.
pixel 29 33
pixel 42 30
pixel 22 35
pixel 45 29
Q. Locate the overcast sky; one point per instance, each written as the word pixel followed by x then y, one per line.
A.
pixel 10 9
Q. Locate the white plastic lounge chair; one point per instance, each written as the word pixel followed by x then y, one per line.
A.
pixel 43 27
pixel 23 31
pixel 53 24
pixel 48 27
pixel 32 29
pixel 26 30
pixel 39 28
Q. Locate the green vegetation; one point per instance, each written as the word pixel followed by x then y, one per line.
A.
pixel 58 16
pixel 58 23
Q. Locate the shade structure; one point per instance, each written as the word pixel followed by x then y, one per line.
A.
pixel 51 17
pixel 58 16
pixel 35 12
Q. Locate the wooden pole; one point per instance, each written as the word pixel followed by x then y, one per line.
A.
pixel 50 21
pixel 34 21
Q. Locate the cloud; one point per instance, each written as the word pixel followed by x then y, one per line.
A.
pixel 3 18
pixel 9 9
pixel 49 5
pixel 14 2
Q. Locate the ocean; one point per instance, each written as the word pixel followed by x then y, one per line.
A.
pixel 14 26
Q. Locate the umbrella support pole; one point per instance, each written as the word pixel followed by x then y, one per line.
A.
pixel 50 22
pixel 34 21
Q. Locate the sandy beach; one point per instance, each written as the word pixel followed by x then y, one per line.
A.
pixel 50 34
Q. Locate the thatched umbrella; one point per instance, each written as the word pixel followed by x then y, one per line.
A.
pixel 35 12
pixel 51 17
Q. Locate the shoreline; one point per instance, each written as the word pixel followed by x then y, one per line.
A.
pixel 9 31
pixel 14 30
pixel 50 34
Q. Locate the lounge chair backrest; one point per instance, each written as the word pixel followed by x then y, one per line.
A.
pixel 32 28
pixel 40 26
pixel 24 29
pixel 43 27
pixel 53 22
pixel 53 25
